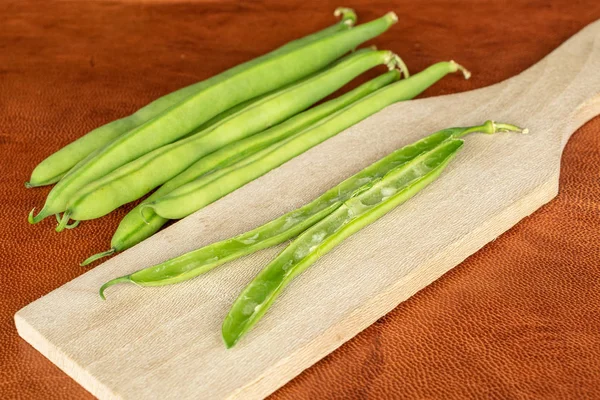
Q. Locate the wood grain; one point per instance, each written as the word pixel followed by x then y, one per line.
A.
pixel 152 335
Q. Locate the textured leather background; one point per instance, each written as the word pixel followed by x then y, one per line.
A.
pixel 519 319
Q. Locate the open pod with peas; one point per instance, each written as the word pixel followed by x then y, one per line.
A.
pixel 321 225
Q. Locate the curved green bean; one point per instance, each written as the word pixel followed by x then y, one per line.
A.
pixel 286 227
pixel 133 228
pixel 199 193
pixel 393 189
pixel 55 166
pixel 138 177
pixel 226 90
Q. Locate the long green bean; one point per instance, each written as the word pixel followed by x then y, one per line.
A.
pixel 54 167
pixel 225 92
pixel 133 228
pixel 138 177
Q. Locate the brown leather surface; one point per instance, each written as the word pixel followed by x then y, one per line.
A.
pixel 519 319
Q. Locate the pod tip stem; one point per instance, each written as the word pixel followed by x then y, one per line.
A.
pixel 98 256
pixel 75 224
pixel 502 127
pixel 348 16
pixel 34 219
pixel 68 226
pixel 490 127
pixel 398 63
pixel 144 206
pixel 466 73
pixel 28 185
pixel 121 279
pixel 30 217
pixel 393 16
pixel 64 222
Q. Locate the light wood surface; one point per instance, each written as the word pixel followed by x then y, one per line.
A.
pixel 165 342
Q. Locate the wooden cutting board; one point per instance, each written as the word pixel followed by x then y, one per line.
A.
pixel 165 342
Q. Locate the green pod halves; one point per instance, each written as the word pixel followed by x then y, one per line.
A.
pixel 319 239
pixel 396 187
pixel 54 167
pixel 226 91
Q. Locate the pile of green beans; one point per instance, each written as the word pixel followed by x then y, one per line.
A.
pixel 197 106
pixel 138 177
pixel 318 226
pixel 199 143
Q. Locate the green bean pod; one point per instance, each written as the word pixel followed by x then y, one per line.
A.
pixel 201 192
pixel 138 177
pixel 54 167
pixel 286 227
pixel 226 91
pixel 133 228
pixel 396 187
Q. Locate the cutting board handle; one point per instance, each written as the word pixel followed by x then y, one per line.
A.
pixel 567 81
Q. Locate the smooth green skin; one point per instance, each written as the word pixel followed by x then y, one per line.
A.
pixel 137 178
pixel 197 194
pixel 133 228
pixel 286 227
pixel 349 218
pixel 374 201
pixel 226 91
pixel 54 167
